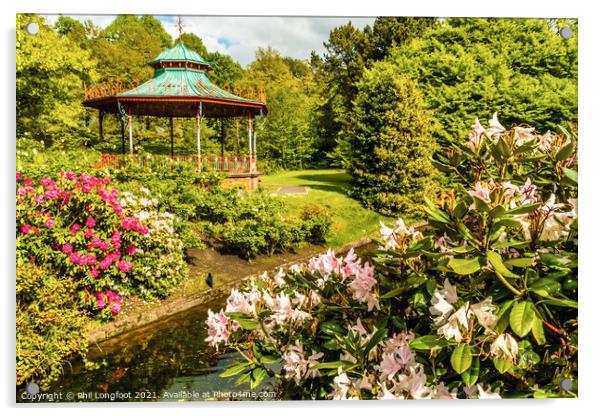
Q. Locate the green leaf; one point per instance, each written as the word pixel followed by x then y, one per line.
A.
pixel 465 232
pixel 376 338
pixel 471 376
pixel 497 212
pixel 246 321
pixel 235 369
pixel 538 332
pixel 521 262
pixel 435 213
pixel 480 204
pixel 461 358
pixel 523 209
pixel 258 376
pixel 244 378
pixel 465 266
pixel 521 318
pixel 393 293
pixel 332 328
pixel 331 364
pixel 248 324
pixel 565 152
pixel 498 264
pixel 570 174
pixel 569 303
pixel 463 249
pixel 502 365
pixel 545 287
pixel 429 342
pixel 503 315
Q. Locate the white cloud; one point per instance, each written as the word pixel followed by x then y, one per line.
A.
pixel 240 37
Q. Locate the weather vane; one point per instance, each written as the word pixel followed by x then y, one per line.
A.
pixel 180 24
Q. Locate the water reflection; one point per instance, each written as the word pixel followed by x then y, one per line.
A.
pixel 165 361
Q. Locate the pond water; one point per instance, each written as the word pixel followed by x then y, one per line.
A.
pixel 165 361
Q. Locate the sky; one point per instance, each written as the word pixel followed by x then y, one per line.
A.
pixel 240 37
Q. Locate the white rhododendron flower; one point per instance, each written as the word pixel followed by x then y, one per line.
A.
pixel 219 328
pixel 523 135
pixel 388 236
pixel 241 302
pixel 528 193
pixel 475 137
pixel 441 392
pixel 340 385
pixel 481 191
pixel 442 301
pixel 546 141
pixel 456 324
pixel 278 278
pixel 283 310
pixel 297 366
pixel 325 265
pixel 485 312
pixel 495 129
pixel 488 394
pixel 504 346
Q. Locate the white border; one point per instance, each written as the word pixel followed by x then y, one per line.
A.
pixel 590 154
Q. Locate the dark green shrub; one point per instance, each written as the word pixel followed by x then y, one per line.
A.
pixel 50 325
pixel 390 153
pixel 317 223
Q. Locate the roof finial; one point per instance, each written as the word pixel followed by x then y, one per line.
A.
pixel 180 24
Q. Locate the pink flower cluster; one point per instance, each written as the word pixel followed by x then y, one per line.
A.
pixel 130 223
pixel 82 259
pixel 109 259
pixel 100 244
pixel 219 328
pixel 108 298
pixel 362 277
pixel 48 203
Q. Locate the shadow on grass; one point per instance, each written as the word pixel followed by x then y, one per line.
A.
pixel 330 182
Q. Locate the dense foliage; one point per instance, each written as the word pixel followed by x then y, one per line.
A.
pixel 51 325
pixel 50 71
pixel 521 67
pixel 481 303
pixel 390 149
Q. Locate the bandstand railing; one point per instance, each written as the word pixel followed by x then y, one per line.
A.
pixel 232 165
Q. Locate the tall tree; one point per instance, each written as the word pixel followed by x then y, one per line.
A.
pixel 51 71
pixel 285 138
pixel 388 32
pixel 349 52
pixel 392 145
pixel 125 46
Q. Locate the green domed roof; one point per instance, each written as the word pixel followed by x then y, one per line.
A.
pixel 180 52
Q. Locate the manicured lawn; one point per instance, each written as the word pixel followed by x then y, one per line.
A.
pixel 326 187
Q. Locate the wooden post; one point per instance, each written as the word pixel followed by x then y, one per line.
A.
pixel 250 129
pixel 100 118
pixel 171 134
pixel 130 130
pixel 198 139
pixel 122 135
pixel 223 136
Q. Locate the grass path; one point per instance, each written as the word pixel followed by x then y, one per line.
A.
pixel 327 188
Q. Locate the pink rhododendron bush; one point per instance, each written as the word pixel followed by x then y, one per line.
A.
pixel 481 302
pixel 111 245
